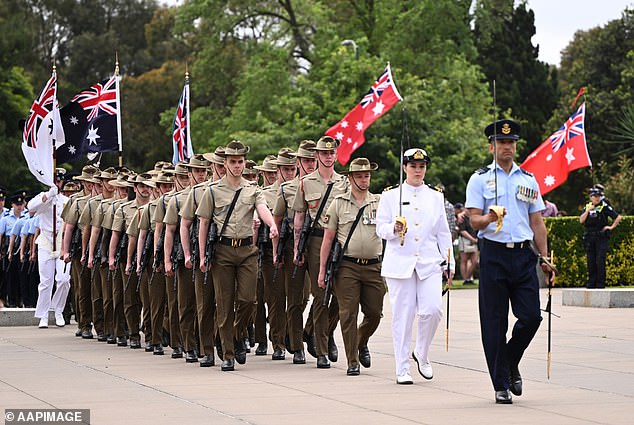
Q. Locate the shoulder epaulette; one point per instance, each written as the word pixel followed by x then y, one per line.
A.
pixel 390 188
pixel 528 173
pixel 435 188
pixel 481 170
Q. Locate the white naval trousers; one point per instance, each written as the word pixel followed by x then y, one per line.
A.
pixel 409 298
pixel 51 268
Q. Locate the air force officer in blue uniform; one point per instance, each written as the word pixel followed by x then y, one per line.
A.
pixel 507 263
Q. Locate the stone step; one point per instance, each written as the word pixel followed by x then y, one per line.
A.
pixel 602 298
pixel 22 317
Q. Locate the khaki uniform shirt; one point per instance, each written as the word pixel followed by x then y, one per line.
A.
pixel 161 207
pixel 195 195
pixel 285 199
pixel 270 194
pixel 217 199
pixel 89 209
pixel 124 215
pixel 175 205
pixel 312 188
pixel 132 227
pixel 70 204
pixel 364 242
pixel 147 212
pixel 103 215
pixel 74 207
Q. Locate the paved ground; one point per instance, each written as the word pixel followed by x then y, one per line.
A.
pixel 592 379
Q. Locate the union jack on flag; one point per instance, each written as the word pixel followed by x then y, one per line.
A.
pixel 102 96
pixel 40 109
pixel 180 130
pixel 572 128
pixel 377 88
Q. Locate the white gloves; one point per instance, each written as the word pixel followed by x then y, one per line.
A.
pixel 52 192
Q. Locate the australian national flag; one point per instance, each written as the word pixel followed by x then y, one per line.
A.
pixel 91 121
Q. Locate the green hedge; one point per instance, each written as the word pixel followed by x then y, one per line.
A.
pixel 565 239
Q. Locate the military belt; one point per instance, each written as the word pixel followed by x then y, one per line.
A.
pixel 236 243
pixel 362 261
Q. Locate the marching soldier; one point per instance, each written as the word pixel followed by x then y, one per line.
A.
pixel 234 265
pixel 314 194
pixel 297 292
pixel 351 221
pixel 175 258
pixel 71 252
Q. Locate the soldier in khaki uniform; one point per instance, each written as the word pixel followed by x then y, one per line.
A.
pixel 181 182
pixel 80 281
pixel 122 219
pixel 311 190
pixel 296 289
pixel 203 291
pixel 157 296
pixel 144 183
pixel 234 266
pixel 358 280
pixel 175 258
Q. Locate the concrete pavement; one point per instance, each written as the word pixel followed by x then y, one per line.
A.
pixel 592 378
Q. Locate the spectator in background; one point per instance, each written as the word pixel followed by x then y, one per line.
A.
pixel 451 214
pixel 467 246
pixel 551 209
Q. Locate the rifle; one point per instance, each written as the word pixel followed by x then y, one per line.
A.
pixel 97 258
pixel 281 244
pixel 132 273
pixel 158 254
pixel 121 250
pixel 307 229
pixel 149 241
pixel 75 243
pixel 193 245
pixel 262 240
pixel 210 247
pixel 332 265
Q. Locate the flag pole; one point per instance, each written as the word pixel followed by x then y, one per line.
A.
pixel 54 158
pixel 116 73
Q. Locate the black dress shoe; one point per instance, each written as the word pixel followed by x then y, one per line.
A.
pixel 515 381
pixel 227 365
pixel 241 351
pixel 278 355
pixel 149 348
pixel 111 339
pixel 299 357
pixel 503 397
pixel 364 357
pixel 322 362
pixel 207 360
pixel 333 352
pixel 191 357
pixel 310 344
pixel 102 338
pixel 135 344
pixel 78 333
pixel 262 349
pixel 86 334
pixel 353 370
pixel 122 341
pixel 157 350
pixel 177 353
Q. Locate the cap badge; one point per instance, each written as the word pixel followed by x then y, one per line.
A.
pixel 418 155
pixel 506 129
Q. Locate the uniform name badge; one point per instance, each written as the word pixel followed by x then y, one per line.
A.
pixel 526 194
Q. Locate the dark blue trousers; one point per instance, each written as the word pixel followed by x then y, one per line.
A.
pixel 507 275
pixel 596 250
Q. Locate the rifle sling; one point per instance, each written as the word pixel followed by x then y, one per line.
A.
pixel 354 226
pixel 228 216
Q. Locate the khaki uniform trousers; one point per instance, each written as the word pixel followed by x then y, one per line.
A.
pixel 146 311
pixel 259 319
pixel 118 304
pixel 157 298
pixel 176 337
pixel 296 298
pixel 325 319
pixel 186 307
pixel 275 296
pixel 205 311
pixel 108 306
pixel 235 274
pixel 356 285
pixel 81 283
pixel 96 297
pixel 131 303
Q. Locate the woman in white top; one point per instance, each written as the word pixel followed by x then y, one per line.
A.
pixel 418 243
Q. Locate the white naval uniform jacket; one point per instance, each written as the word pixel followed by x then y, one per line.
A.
pixel 44 210
pixel 427 239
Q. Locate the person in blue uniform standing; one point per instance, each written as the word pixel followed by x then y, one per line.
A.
pixel 507 261
pixel 595 218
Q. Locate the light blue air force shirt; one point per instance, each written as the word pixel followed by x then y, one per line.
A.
pixel 517 191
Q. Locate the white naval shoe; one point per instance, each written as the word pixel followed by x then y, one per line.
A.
pixel 43 323
pixel 404 379
pixel 424 368
pixel 59 320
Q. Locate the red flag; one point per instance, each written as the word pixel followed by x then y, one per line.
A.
pixel 565 150
pixel 379 99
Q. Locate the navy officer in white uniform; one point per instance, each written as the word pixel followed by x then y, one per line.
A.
pixel 507 263
pixel 413 266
